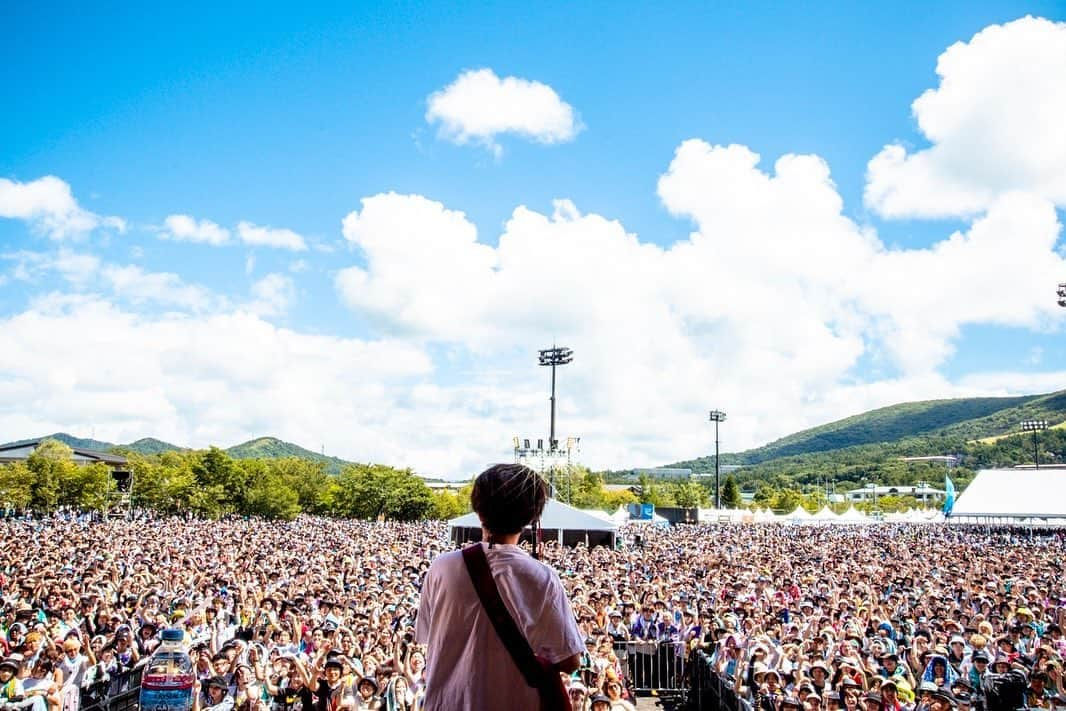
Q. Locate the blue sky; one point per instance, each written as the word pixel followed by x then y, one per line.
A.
pixel 287 118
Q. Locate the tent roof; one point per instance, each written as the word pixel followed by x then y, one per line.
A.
pixel 602 515
pixel 826 514
pixel 800 513
pixel 1014 493
pixel 556 515
pixel 853 514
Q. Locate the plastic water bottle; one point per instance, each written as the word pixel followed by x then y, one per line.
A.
pixel 169 678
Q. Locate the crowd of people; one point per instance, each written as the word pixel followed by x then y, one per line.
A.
pixel 320 613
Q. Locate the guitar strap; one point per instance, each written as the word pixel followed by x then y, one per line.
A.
pixel 477 565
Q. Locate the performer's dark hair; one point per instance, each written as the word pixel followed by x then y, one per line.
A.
pixel 508 497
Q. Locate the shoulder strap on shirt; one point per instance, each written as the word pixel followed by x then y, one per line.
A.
pixel 538 673
pixel 477 565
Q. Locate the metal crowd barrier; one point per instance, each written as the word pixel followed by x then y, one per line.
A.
pixel 654 666
pixel 120 693
pixel 709 690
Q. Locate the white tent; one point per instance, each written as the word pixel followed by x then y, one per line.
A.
pixel 558 522
pixel 723 515
pixel 621 515
pixel 765 516
pixel 853 515
pixel 800 514
pixel 1007 495
pixel 598 513
pixel 825 514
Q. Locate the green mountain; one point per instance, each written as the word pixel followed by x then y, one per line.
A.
pixel 261 448
pixel 72 441
pixel 870 446
pixel 972 417
pixel 274 448
pixel 151 445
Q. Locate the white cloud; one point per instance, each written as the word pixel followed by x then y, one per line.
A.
pixel 270 237
pixel 48 205
pixel 994 122
pixel 215 379
pixel 130 283
pixel 416 248
pixel 136 286
pixel 768 310
pixel 777 308
pixel 183 228
pixel 272 295
pixel 480 106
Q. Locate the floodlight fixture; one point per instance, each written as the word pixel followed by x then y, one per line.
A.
pixel 556 355
pixel 1034 426
pixel 1062 294
pixel 553 357
pixel 717 416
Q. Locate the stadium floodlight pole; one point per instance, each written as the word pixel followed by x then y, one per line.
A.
pixel 554 356
pixel 1062 294
pixel 1034 426
pixel 716 417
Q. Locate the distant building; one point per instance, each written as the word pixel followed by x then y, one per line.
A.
pixel 923 492
pixel 723 469
pixel 665 473
pixel 121 472
pixel 21 451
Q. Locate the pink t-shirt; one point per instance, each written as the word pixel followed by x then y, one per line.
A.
pixel 467 667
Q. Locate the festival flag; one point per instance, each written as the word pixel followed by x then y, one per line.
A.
pixel 949 495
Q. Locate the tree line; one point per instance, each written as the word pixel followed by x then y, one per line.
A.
pixel 211 483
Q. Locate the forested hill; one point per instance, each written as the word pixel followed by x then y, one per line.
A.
pixel 260 448
pixel 273 448
pixel 151 445
pixel 933 427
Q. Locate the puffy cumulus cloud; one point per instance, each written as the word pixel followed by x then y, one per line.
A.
pixel 767 310
pixel 995 273
pixel 48 205
pixel 183 228
pixel 479 106
pixel 781 239
pixel 272 295
pixel 215 379
pixel 277 237
pixel 994 123
pixel 416 251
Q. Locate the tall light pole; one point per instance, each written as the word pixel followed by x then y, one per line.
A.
pixel 1034 426
pixel 1062 294
pixel 554 356
pixel 716 417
